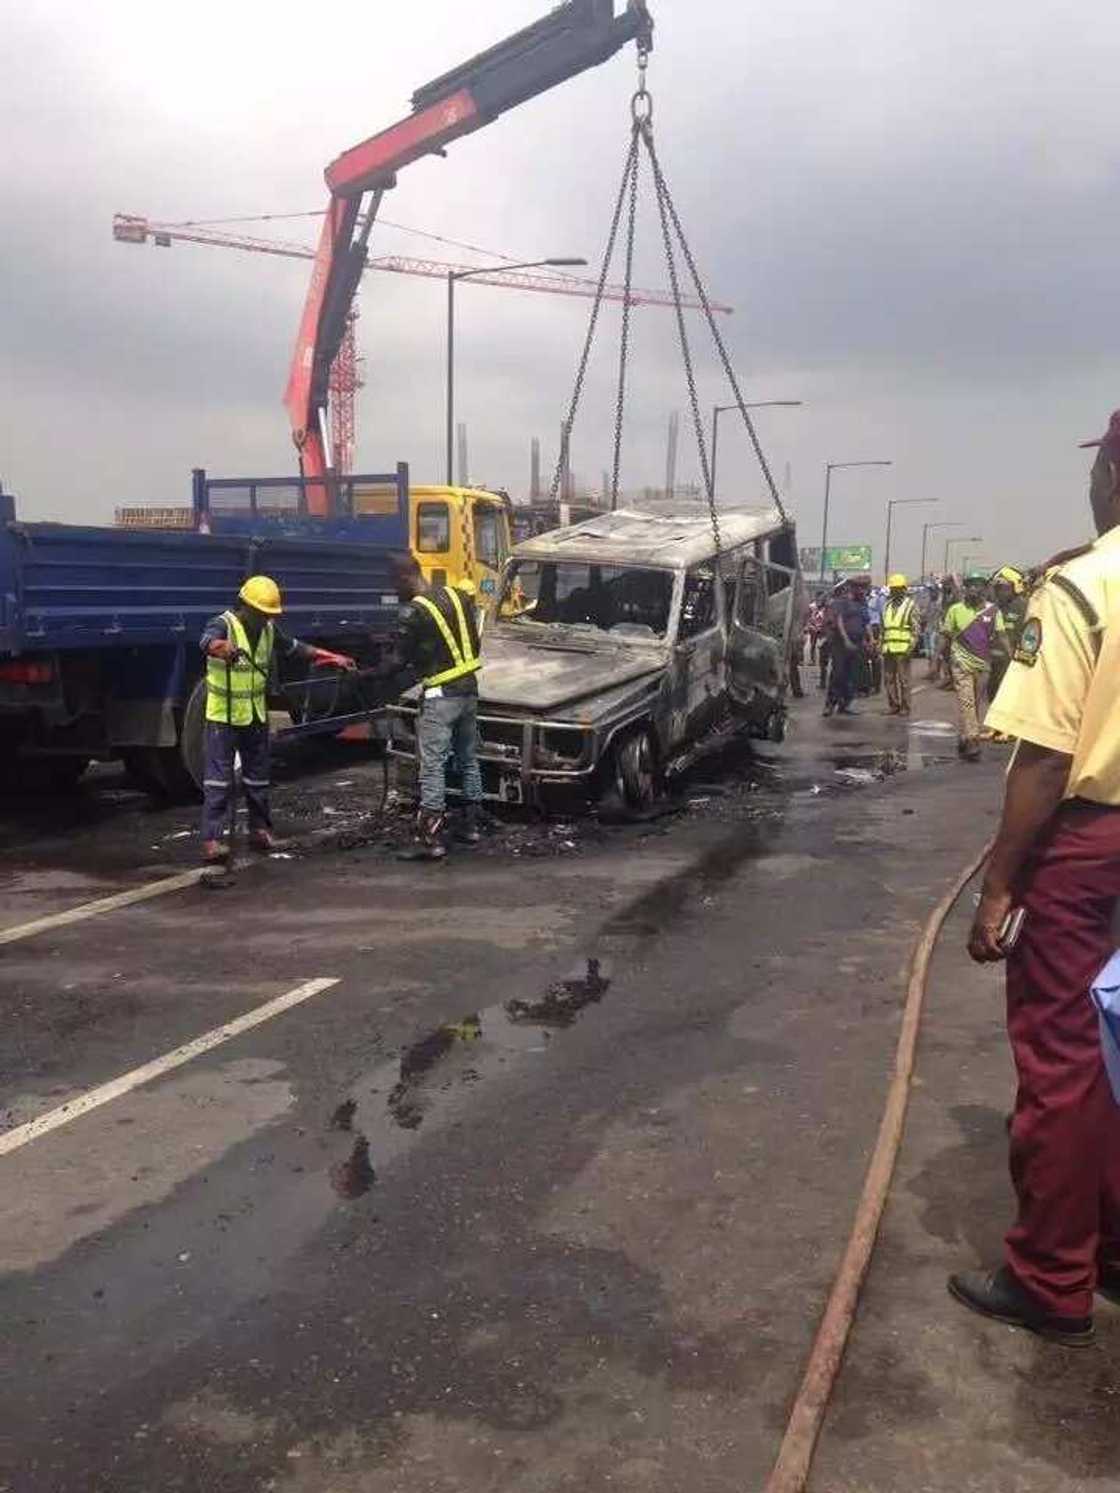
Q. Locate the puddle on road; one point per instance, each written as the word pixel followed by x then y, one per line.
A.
pixel 354 1177
pixel 431 1078
pixel 563 1001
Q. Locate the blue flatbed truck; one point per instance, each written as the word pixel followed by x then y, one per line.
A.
pixel 99 627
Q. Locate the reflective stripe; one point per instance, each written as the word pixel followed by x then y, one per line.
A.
pixel 898 636
pixel 215 782
pixel 237 693
pixel 464 660
pixel 257 782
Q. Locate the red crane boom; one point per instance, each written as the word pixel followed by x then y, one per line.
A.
pixel 576 36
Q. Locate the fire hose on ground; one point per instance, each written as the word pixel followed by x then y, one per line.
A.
pixel 795 1456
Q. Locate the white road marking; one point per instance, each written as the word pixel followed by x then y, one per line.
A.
pixel 12 1140
pixel 103 904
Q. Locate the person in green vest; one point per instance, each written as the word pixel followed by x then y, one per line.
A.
pixel 899 639
pixel 970 632
pixel 240 646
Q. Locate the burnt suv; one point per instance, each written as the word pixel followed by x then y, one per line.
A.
pixel 620 648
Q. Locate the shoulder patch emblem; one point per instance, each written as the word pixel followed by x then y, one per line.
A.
pixel 1030 642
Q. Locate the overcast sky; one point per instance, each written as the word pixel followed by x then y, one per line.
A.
pixel 913 207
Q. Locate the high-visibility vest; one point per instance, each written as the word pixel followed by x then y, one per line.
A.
pixel 898 618
pixel 464 660
pixel 237 693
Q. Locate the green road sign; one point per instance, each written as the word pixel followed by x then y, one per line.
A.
pixel 848 558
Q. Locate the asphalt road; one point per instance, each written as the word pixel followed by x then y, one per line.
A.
pixel 403 1234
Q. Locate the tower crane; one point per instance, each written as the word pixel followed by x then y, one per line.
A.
pixel 345 373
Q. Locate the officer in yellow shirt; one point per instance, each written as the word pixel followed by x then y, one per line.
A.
pixel 1057 860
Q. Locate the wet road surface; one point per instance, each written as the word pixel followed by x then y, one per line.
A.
pixel 542 1190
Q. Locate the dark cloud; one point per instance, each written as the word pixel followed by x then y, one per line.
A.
pixel 913 209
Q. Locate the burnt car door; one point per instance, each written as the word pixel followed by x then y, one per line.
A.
pixel 698 658
pixel 756 635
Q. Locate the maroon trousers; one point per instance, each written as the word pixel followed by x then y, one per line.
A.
pixel 1065 1137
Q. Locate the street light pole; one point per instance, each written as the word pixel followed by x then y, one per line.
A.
pixel 927 529
pixel 758 404
pixel 836 466
pixel 452 276
pixel 892 504
pixel 960 539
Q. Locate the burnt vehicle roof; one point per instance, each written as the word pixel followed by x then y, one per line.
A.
pixel 668 541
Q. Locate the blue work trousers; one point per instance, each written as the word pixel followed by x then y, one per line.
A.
pixel 446 729
pixel 251 744
pixel 844 675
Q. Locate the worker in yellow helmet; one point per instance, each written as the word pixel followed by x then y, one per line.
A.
pixel 240 646
pixel 899 638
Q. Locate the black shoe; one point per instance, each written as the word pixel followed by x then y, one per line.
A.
pixel 1108 1286
pixel 828 707
pixel 1000 1297
pixel 469 829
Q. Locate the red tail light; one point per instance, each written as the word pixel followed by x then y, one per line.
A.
pixel 26 671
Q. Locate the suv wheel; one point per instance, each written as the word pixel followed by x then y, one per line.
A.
pixel 635 770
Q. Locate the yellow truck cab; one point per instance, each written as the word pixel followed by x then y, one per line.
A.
pixel 460 533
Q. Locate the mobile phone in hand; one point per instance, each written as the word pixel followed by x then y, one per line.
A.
pixel 1011 928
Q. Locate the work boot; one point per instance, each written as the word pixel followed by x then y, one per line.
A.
pixel 1000 1297
pixel 214 853
pixel 827 708
pixel 427 842
pixel 469 831
pixel 894 709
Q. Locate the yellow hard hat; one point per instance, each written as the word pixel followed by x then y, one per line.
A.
pixel 1012 575
pixel 467 586
pixel 897 583
pixel 262 594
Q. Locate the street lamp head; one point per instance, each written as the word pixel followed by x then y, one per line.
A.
pixel 558 264
pixel 834 466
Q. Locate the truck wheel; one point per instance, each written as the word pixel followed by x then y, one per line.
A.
pixel 49 774
pixel 635 770
pixel 192 736
pixel 160 772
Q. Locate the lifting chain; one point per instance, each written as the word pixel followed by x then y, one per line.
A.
pixel 641 133
pixel 663 209
pixel 629 169
pixel 624 334
pixel 665 195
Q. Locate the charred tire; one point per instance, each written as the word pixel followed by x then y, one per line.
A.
pixel 776 726
pixel 636 778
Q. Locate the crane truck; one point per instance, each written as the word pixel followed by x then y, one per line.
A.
pixel 99 627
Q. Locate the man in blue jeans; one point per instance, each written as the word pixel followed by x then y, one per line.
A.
pixel 848 634
pixel 439 645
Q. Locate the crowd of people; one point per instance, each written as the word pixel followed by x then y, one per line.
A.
pixel 1038 656
pixel 862 640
